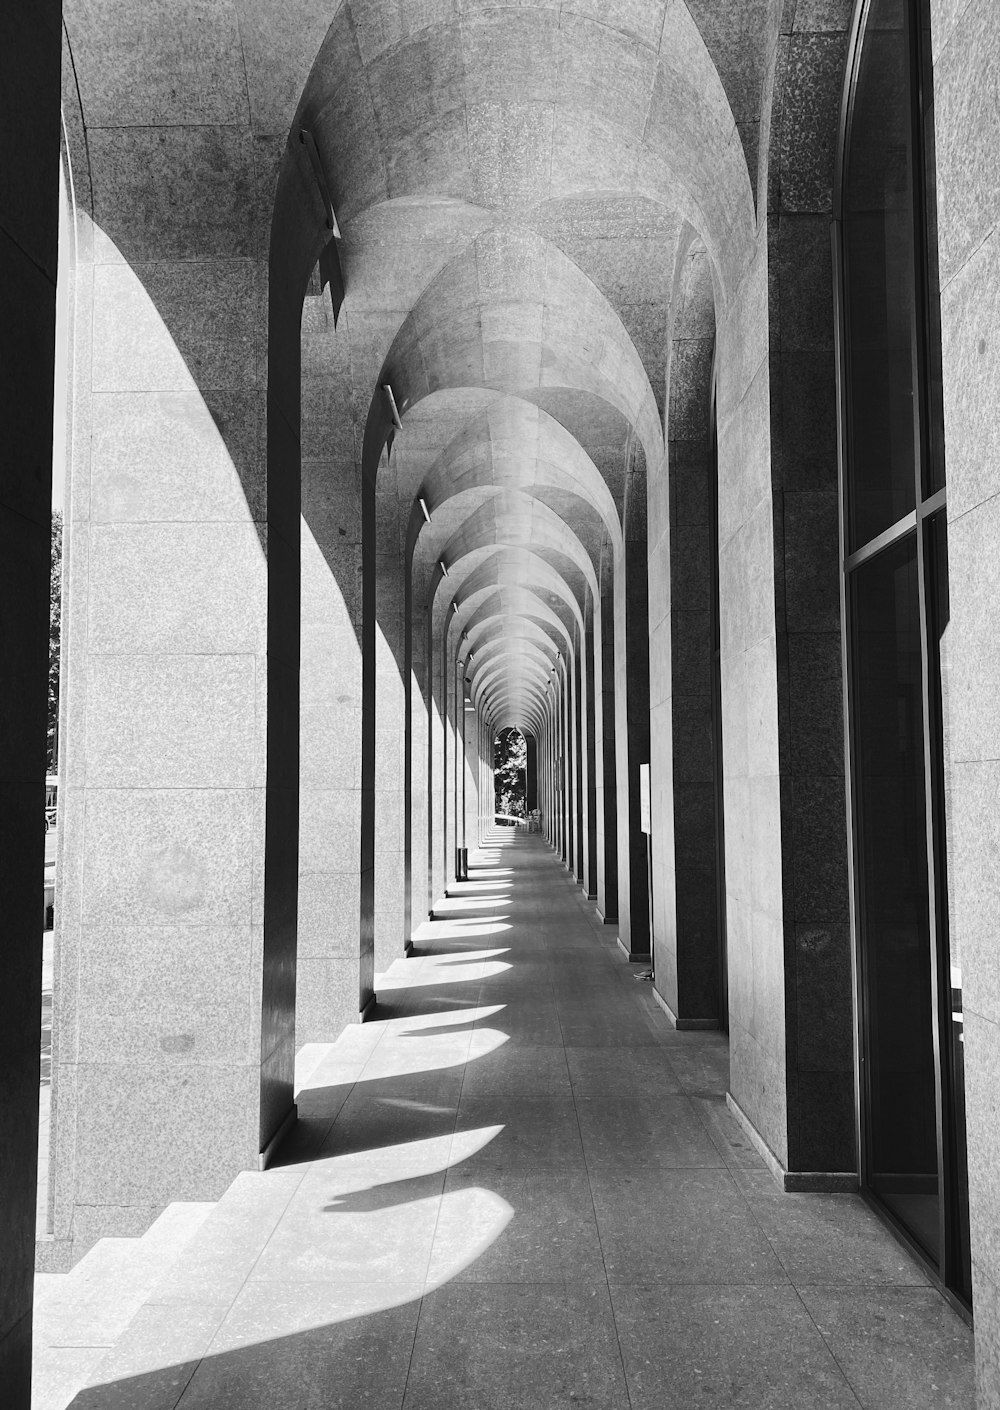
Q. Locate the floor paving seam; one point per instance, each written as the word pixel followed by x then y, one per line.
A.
pixel 557 1240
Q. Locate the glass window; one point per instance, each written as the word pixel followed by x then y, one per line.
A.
pixel 879 282
pixel 893 909
pixel 912 1087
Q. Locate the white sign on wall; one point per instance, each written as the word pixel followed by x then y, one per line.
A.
pixel 644 811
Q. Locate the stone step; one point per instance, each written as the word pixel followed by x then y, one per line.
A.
pixel 81 1314
pixel 149 1307
pixel 156 1353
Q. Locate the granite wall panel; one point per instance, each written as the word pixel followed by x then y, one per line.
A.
pixel 177 716
pixel 966 47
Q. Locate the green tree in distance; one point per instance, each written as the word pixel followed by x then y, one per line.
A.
pixel 510 759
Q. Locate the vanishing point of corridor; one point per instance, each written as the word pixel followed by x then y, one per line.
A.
pixel 520 1187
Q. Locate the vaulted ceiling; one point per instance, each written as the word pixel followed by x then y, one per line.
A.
pixel 510 183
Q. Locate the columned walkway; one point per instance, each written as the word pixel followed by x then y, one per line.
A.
pixel 519 1187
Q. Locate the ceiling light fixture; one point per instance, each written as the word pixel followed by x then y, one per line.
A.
pixel 393 409
pixel 443 566
pixel 423 508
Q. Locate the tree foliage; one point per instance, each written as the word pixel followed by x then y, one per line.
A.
pixel 55 621
pixel 510 760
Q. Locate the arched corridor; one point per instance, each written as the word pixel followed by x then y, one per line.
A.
pixel 398 374
pixel 519 1185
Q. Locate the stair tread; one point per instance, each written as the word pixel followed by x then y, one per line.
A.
pixel 94 1303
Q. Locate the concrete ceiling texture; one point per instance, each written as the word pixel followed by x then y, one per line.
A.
pixel 511 182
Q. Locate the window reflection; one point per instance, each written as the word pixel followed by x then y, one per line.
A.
pixel 913 1107
pixel 889 786
pixel 879 283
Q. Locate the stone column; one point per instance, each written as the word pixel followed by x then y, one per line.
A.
pixel 791 1017
pixel 531 773
pixel 579 754
pixel 435 768
pixel 174 1020
pixel 591 833
pixel 606 734
pixel 568 780
pixel 472 779
pixel 390 734
pixel 549 779
pixel 418 814
pixel 327 980
pixel 451 759
pixel 966 46
pixel 681 552
pixel 563 765
pixel 632 712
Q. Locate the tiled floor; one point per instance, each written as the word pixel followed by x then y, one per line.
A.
pixel 520 1188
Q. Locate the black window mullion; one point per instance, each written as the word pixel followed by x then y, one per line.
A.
pixel 854 244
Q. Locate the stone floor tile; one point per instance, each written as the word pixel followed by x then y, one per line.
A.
pixel 304 1143
pixel 528 1227
pixel 734 1348
pixel 625 1072
pixel 57 1372
pixel 520 1068
pixel 382 1234
pixel 730 1139
pixel 827 1238
pixel 537 1133
pixel 629 1133
pixel 900 1348
pixel 369 1121
pixel 415 1047
pixel 680 1226
pixel 536 1024
pixel 309 1344
pixel 441 1086
pixel 342 1174
pixel 702 1068
pixel 529 1346
pixel 582 1034
pixel 215 1264
pixel 151 1365
pixel 519 1129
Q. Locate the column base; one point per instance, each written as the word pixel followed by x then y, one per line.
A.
pixel 605 920
pixel 272 1147
pixel 53 1255
pixel 633 956
pixel 368 1011
pixel 684 1025
pixel 808 1182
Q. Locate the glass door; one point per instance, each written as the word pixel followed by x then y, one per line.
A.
pixel 911 1086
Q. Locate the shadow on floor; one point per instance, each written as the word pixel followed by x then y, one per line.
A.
pixel 543 1203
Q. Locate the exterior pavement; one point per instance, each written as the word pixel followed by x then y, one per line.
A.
pixel 520 1187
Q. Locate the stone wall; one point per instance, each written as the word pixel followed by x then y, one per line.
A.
pixel 786 848
pixel 966 55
